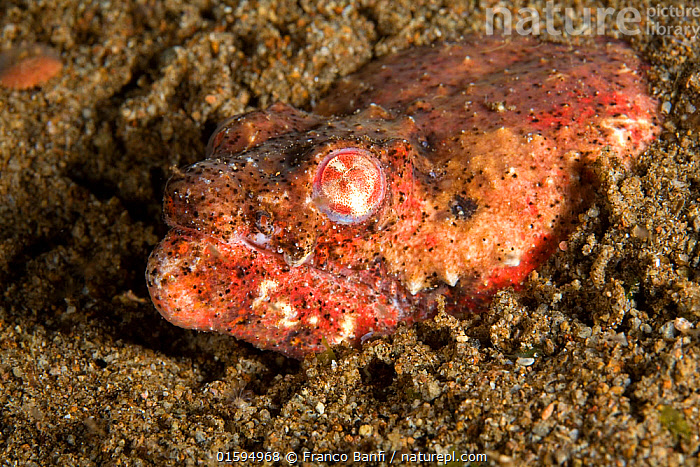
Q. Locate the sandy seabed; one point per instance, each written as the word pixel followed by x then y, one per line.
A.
pixel 596 361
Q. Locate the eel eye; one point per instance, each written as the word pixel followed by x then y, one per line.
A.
pixel 349 185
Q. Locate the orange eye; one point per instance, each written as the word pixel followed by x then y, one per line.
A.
pixel 349 185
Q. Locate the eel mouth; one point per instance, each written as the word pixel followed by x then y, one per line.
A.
pixel 238 288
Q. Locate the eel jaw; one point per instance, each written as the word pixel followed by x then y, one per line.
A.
pixel 197 282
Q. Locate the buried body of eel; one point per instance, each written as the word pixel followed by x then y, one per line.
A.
pixel 448 171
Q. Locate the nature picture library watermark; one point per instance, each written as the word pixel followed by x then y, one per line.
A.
pixel 593 21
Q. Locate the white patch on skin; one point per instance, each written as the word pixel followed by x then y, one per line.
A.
pixel 415 285
pixel 347 328
pixel 261 239
pixel 619 127
pixel 451 277
pixel 346 331
pixel 264 289
pixel 625 69
pixel 313 320
pixel 512 259
pixel 289 315
pixel 252 133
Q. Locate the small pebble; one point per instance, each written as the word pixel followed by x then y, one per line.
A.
pixel 668 330
pixel 682 325
pixel 547 412
pixel 25 67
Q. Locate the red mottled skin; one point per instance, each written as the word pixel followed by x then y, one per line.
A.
pixel 482 146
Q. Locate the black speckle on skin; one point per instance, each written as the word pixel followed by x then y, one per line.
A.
pixel 463 208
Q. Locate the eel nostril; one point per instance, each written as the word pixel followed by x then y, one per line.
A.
pixel 264 222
